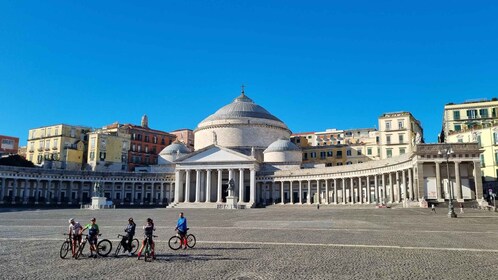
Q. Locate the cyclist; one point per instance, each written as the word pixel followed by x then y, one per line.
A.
pixel 181 228
pixel 75 230
pixel 148 233
pixel 93 233
pixel 128 238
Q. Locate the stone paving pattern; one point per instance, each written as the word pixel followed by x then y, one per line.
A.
pixel 274 243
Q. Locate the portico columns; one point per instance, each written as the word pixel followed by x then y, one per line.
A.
pixel 376 190
pixel 458 181
pixel 241 185
pixel 282 198
pixel 410 184
pixel 178 184
pixel 252 186
pixel 327 192
pixel 2 190
pixel 343 191
pixel 208 185
pixel 161 195
pixel 187 186
pixel 477 179
pixel 405 190
pixel 291 193
pixel 360 191
pixel 335 191
pixel 353 197
pixel 309 192
pixel 37 192
pixel 198 186
pixel 369 190
pixel 219 194
pixel 300 192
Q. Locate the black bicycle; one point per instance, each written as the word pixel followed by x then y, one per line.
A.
pixel 67 246
pixel 134 246
pixel 175 242
pixel 104 247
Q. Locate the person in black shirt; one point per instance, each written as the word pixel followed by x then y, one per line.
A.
pixel 128 238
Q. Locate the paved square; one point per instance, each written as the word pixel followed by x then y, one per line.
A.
pixel 275 243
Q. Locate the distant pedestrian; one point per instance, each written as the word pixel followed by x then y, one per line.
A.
pixel 318 207
pixel 433 208
pixel 461 208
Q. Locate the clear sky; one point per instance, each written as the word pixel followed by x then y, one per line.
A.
pixel 313 64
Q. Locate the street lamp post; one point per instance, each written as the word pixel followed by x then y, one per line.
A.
pixel 447 152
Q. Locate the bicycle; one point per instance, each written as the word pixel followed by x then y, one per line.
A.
pixel 104 247
pixel 67 246
pixel 148 249
pixel 134 246
pixel 175 242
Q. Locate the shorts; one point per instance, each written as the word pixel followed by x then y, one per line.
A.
pixel 182 233
pixel 150 238
pixel 76 237
pixel 92 239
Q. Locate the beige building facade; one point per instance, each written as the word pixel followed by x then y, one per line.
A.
pixel 398 134
pixel 59 146
pixel 108 151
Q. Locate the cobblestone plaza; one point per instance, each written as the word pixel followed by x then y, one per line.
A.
pixel 274 243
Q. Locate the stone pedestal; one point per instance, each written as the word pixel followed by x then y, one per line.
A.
pixel 99 202
pixel 231 202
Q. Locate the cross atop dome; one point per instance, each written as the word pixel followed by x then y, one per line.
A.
pixel 242 97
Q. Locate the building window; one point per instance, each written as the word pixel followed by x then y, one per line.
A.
pixel 339 154
pixel 369 151
pixel 56 143
pixel 402 151
pixel 163 142
pixel 92 143
pixel 456 115
pixel 401 139
pixel 49 132
pixel 133 147
pixel 102 156
pixel 389 153
pixel 484 113
pixel 330 154
pixel 92 155
pixel 154 139
pixel 146 138
pixel 305 156
pixel 359 152
pixel 472 114
pixel 139 137
pixel 479 141
pixel 388 125
pixel 349 163
pixel 139 148
pixel 47 144
pixel 495 138
pixel 388 139
pixel 401 124
pixel 322 155
pixel 313 154
pixel 496 158
pixel 348 153
pixel 146 149
pixel 482 161
pixel 458 127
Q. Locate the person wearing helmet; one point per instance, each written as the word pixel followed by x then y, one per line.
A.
pixel 128 238
pixel 148 233
pixel 75 230
pixel 93 233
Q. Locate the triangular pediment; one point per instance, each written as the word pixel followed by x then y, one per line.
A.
pixel 213 154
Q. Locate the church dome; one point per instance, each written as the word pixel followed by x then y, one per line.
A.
pixel 282 145
pixel 175 148
pixel 283 151
pixel 242 124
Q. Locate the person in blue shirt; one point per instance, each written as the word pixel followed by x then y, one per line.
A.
pixel 181 228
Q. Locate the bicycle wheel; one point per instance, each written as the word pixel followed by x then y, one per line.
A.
pixel 147 256
pixel 118 250
pixel 134 246
pixel 191 241
pixel 175 243
pixel 65 248
pixel 80 250
pixel 104 247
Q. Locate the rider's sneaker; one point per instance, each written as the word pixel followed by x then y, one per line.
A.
pixel 130 254
pixel 90 256
pixel 95 256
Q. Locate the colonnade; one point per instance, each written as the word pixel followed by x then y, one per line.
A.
pixel 210 185
pixel 392 187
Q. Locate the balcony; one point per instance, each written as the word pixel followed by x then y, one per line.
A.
pixel 54 148
pixel 47 148
pixel 40 149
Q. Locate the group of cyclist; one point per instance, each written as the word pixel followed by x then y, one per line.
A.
pixel 76 231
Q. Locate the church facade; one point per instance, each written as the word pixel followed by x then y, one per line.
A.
pixel 244 146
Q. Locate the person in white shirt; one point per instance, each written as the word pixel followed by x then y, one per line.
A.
pixel 75 230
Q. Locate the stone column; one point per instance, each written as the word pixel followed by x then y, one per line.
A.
pixel 161 195
pixel 123 192
pixel 300 192
pixel 438 182
pixel 187 186
pixel 133 195
pixel 360 190
pixel 178 185
pixel 384 188
pixel 291 193
pixel 327 192
pixel 353 196
pixel 458 181
pixel 410 185
pixel 335 192
pixel 252 186
pixel 208 185
pixel 398 188
pixel 220 184
pixel 391 188
pixel 241 185
pixel 282 198
pixel 2 190
pixel 113 190
pixel 197 186
pixel 369 191
pixel 37 191
pixel 152 192
pixel 26 191
pixel 80 195
pixel 343 191
pixel 318 194
pixel 309 192
pixel 405 189
pixel 478 181
pixel 143 193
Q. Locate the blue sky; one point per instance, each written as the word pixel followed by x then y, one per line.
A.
pixel 313 64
